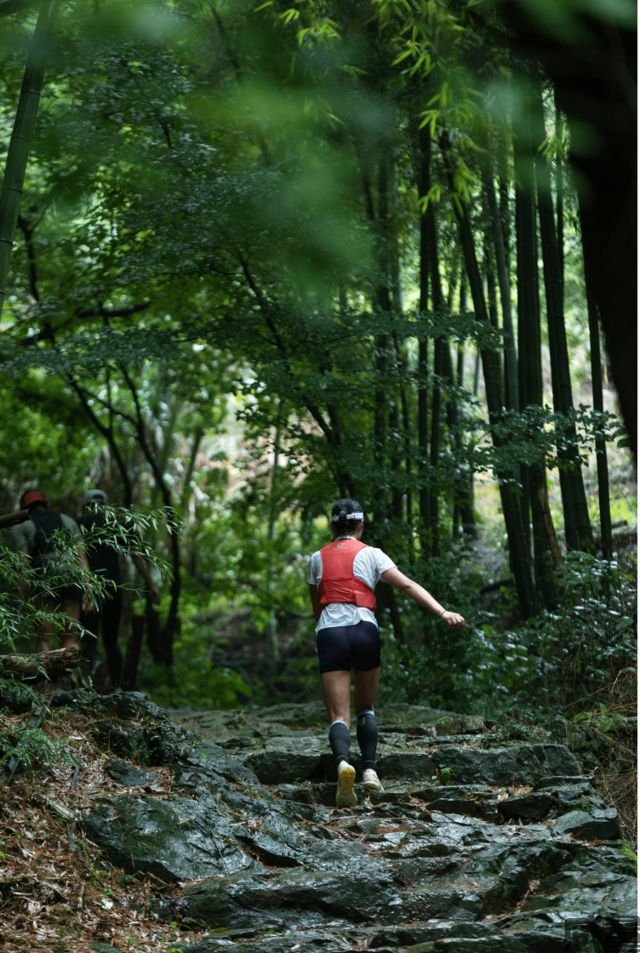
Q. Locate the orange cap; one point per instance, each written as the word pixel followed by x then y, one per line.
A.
pixel 33 496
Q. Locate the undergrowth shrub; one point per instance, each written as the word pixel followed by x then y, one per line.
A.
pixel 561 658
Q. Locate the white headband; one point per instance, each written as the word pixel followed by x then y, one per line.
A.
pixel 350 516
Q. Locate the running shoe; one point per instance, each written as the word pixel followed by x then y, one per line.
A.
pixel 371 781
pixel 344 792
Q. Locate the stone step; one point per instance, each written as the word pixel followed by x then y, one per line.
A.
pixel 492 861
pixel 418 937
pixel 474 882
pixel 290 760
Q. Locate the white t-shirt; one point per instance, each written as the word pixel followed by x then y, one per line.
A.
pixel 368 566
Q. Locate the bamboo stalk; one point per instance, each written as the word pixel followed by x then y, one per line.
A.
pixel 520 556
pixel 21 136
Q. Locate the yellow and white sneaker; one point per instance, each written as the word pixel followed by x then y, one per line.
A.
pixel 371 781
pixel 344 792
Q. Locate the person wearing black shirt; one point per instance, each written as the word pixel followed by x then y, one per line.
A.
pixel 37 538
pixel 104 561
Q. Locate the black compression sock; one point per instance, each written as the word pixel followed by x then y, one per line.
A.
pixel 368 738
pixel 340 739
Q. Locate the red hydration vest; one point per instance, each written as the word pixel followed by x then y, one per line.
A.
pixel 338 583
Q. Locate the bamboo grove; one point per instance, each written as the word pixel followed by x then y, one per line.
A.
pixel 357 221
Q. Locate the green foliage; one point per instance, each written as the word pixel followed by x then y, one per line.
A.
pixel 445 775
pixel 194 682
pixel 628 850
pixel 33 748
pixel 210 274
pixel 561 658
pixel 573 652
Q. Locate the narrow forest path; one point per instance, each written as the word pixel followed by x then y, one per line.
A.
pixel 511 855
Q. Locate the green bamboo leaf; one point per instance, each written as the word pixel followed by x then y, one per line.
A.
pixel 290 14
pixel 402 57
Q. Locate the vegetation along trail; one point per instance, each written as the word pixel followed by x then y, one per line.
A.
pixel 256 258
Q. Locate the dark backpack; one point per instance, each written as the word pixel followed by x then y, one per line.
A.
pixel 47 525
pixel 102 558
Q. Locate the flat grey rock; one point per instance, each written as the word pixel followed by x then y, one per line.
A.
pixel 482 841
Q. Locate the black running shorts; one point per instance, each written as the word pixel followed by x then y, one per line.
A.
pixel 70 593
pixel 345 647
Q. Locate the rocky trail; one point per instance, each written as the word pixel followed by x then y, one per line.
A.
pixel 483 840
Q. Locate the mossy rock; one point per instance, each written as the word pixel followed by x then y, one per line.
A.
pixel 173 839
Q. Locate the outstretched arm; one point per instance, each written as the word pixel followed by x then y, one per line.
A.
pixel 399 581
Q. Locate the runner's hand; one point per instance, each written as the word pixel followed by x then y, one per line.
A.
pixel 453 619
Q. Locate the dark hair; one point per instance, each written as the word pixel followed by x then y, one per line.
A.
pixel 342 521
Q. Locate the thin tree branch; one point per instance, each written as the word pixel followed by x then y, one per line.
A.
pixel 28 241
pixel 311 407
pixel 108 434
pixel 109 406
pixel 48 332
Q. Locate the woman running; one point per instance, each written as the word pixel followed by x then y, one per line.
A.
pixel 342 580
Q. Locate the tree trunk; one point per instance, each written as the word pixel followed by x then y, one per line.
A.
pixel 601 445
pixel 576 513
pixel 383 301
pixel 424 161
pixel 195 447
pixel 476 374
pixel 436 390
pixel 543 504
pixel 406 431
pixel 398 444
pixel 134 648
pixel 381 227
pixel 271 629
pixel 21 136
pixel 527 320
pixel 172 624
pixel 460 357
pixel 464 512
pixel 559 195
pixel 530 369
pixel 594 69
pixel 510 354
pixel 520 558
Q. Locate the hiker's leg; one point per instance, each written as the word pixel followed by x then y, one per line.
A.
pixel 366 687
pixel 44 627
pixel 70 634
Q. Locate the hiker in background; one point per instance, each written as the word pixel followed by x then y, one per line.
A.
pixel 36 539
pixel 105 562
pixel 342 578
